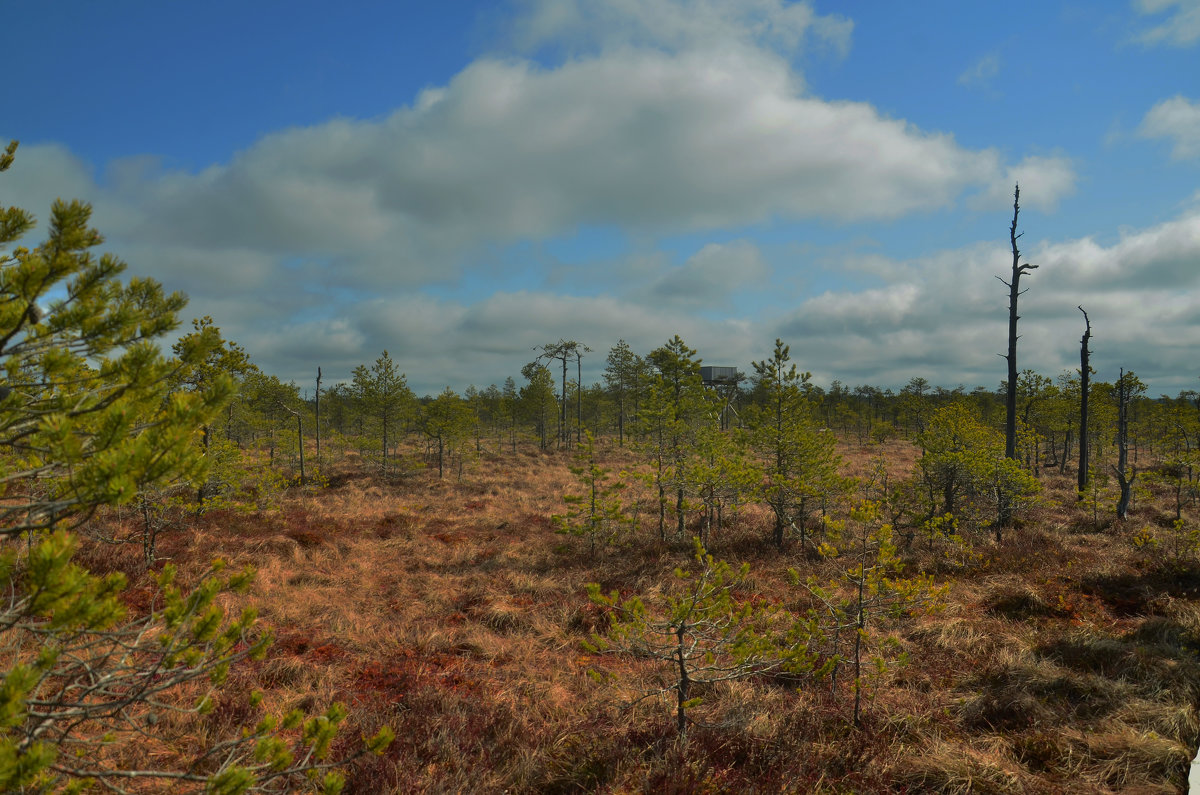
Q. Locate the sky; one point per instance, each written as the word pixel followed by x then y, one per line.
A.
pixel 461 181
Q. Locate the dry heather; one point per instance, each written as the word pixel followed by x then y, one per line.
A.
pixel 1064 660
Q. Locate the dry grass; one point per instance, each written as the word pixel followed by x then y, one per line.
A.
pixel 451 610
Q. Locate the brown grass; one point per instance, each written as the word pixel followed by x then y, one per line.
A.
pixel 452 611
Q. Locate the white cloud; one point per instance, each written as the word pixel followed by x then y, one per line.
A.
pixel 451 342
pixel 312 246
pixel 981 72
pixel 677 25
pixel 512 151
pixel 711 276
pixel 945 319
pixel 1043 180
pixel 941 316
pixel 1180 29
pixel 509 151
pixel 1178 119
pixel 39 175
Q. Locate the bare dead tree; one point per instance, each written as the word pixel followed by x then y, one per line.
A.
pixel 1085 371
pixel 1128 387
pixel 1014 291
pixel 317 419
pixel 299 435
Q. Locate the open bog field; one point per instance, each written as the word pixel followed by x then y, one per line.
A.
pixel 1060 660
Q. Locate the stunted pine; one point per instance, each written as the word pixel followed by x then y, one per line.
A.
pixel 702 633
pixel 799 459
pixel 596 512
pixel 871 589
pixel 383 397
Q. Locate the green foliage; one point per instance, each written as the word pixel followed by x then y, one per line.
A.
pixel 598 513
pixel 964 469
pixel 941 537
pixel 800 462
pixel 703 633
pixel 90 415
pixel 536 399
pixel 84 417
pixel 382 395
pixel 1177 428
pixel 674 409
pixel 718 473
pixel 1176 547
pixel 448 421
pixel 625 377
pixel 102 678
pixel 870 590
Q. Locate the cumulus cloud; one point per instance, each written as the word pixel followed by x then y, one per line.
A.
pixel 941 316
pixel 321 243
pixel 1177 119
pixel 1181 28
pixel 947 320
pixel 711 276
pixel 510 150
pixel 42 173
pixel 1043 180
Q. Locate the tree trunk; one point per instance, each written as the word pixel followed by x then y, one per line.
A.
pixel 1084 381
pixel 1124 480
pixel 680 519
pixel 317 420
pixel 1010 399
pixel 684 682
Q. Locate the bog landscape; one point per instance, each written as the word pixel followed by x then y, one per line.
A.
pixel 679 578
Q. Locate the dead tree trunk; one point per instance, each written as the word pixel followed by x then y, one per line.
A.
pixel 299 435
pixel 1010 400
pixel 1125 480
pixel 1085 371
pixel 317 420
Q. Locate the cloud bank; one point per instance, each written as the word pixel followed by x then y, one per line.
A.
pixel 326 244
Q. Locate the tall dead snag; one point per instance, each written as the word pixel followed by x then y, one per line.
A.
pixel 1010 399
pixel 299 435
pixel 1129 386
pixel 317 421
pixel 1085 371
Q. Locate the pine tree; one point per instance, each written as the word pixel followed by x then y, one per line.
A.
pixel 800 462
pixel 623 377
pixel 537 398
pixel 447 421
pixel 675 407
pixel 383 395
pixel 88 418
pixel 597 513
pixel 876 590
pixel 963 464
pixel 703 633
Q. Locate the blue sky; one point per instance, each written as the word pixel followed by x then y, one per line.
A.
pixel 459 181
